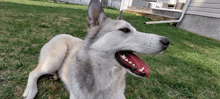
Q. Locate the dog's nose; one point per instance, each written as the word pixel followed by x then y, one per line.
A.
pixel 165 41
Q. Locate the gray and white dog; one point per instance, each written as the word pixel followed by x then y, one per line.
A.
pixel 95 68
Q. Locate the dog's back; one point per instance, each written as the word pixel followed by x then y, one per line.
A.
pixel 57 49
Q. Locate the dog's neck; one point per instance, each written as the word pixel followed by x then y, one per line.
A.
pixel 98 73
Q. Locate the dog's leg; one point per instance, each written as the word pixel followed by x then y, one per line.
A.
pixel 50 61
pixel 31 89
pixel 45 67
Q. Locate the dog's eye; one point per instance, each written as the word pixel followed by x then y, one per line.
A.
pixel 125 30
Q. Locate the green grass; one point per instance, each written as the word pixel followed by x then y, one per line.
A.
pixel 189 68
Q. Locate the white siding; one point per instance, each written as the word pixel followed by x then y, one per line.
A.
pixel 182 1
pixel 85 2
pixel 112 3
pixel 165 1
pixel 209 8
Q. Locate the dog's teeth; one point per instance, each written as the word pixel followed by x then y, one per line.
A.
pixel 141 70
pixel 134 65
pixel 129 62
pixel 126 60
pixel 123 56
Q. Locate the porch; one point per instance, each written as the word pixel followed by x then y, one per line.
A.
pixel 154 9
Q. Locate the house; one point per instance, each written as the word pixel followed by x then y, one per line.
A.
pixel 154 9
pixel 199 16
pixel 112 3
pixel 202 17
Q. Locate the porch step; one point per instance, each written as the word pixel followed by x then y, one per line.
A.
pixel 167 13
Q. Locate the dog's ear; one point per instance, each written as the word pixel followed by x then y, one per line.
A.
pixel 96 14
pixel 120 16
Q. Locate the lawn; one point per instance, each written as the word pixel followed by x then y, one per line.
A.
pixel 189 68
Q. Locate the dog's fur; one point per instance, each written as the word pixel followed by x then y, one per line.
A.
pixel 88 67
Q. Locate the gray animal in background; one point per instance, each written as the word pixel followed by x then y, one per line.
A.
pixel 95 68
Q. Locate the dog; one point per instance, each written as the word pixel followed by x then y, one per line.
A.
pixel 95 68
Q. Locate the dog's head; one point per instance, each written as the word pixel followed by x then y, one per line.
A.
pixel 117 40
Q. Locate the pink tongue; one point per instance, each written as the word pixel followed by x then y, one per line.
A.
pixel 138 62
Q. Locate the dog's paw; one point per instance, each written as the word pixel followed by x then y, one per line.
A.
pixel 54 77
pixel 30 93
